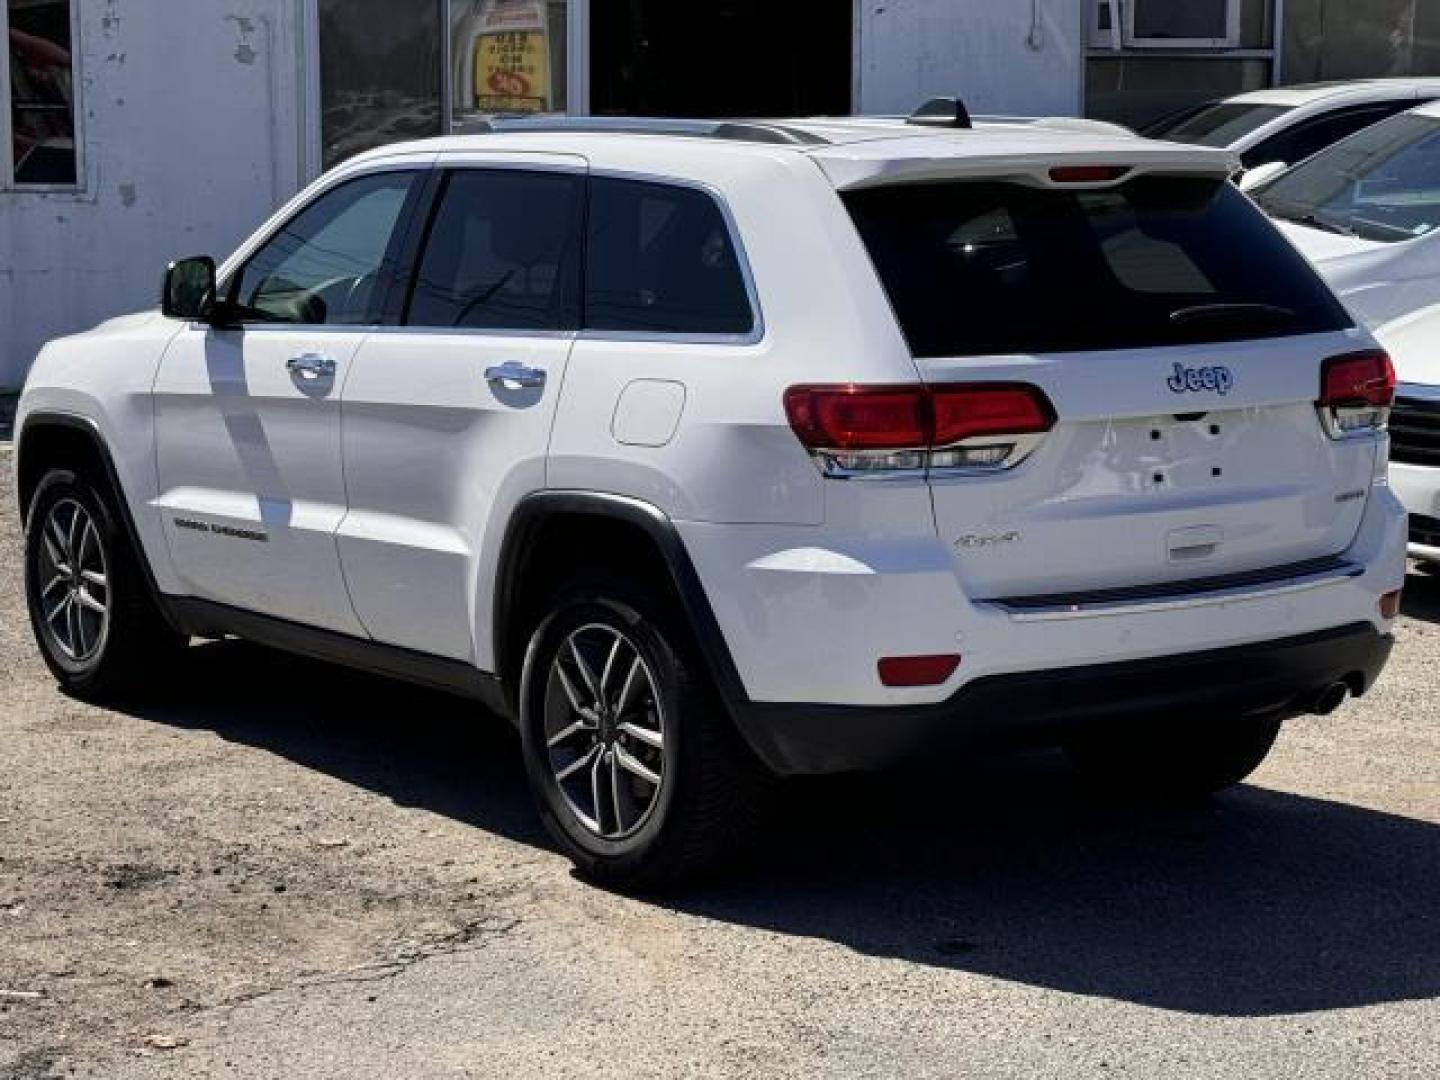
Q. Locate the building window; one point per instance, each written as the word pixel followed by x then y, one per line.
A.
pixel 1168 24
pixel 1164 24
pixel 507 56
pixel 41 147
pixel 379 74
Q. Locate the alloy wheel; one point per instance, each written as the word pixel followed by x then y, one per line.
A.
pixel 605 731
pixel 73 581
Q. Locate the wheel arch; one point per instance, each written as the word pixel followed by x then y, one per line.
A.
pixel 49 439
pixel 544 515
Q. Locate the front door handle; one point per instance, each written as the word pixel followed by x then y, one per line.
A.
pixel 311 366
pixel 516 374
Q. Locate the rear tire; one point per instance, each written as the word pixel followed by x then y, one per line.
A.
pixel 91 609
pixel 1173 761
pixel 638 772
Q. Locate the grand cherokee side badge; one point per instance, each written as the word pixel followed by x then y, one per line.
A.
pixel 1198 379
pixel 221 530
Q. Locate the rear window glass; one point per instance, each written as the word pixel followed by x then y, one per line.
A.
pixel 660 259
pixel 980 268
pixel 1219 125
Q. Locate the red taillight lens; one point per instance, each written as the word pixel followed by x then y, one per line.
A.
pixel 1362 379
pixel 1087 174
pixel 1356 392
pixel 967 412
pixel 859 417
pixel 917 670
pixel 913 417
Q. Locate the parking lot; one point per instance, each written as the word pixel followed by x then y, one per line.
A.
pixel 276 868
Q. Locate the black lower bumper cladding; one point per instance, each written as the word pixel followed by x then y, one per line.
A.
pixel 1287 675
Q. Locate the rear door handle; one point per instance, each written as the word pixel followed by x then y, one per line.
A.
pixel 515 374
pixel 311 366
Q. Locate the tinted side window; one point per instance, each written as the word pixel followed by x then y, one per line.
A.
pixel 333 261
pixel 502 253
pixel 660 259
pixel 1304 140
pixel 981 269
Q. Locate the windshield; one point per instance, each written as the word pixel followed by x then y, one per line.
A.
pixel 978 268
pixel 1380 184
pixel 1218 125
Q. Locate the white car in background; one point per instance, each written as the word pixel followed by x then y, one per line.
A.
pixel 1367 214
pixel 1271 129
pixel 1414 345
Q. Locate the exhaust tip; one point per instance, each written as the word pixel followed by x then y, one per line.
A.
pixel 1330 699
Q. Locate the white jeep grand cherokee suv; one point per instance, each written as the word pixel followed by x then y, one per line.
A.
pixel 713 451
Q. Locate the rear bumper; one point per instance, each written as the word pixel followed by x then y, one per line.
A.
pixel 1285 675
pixel 806 613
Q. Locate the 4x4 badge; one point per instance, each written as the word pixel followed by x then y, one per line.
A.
pixel 987 540
pixel 1198 379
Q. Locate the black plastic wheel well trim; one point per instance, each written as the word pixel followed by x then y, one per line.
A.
pixel 87 427
pixel 529 517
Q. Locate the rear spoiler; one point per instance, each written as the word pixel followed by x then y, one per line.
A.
pixel 1113 161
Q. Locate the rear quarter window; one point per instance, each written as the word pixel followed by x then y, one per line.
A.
pixel 660 259
pixel 986 268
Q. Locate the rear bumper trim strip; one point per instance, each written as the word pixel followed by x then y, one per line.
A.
pixel 1254 585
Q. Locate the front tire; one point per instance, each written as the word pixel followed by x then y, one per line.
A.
pixel 1173 760
pixel 638 772
pixel 91 610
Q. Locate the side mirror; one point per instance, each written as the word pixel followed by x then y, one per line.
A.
pixel 189 289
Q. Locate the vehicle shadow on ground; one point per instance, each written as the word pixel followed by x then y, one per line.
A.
pixel 1256 903
pixel 7 417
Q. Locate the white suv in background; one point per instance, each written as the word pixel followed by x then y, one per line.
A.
pixel 712 451
pixel 1414 341
pixel 1273 128
pixel 1367 214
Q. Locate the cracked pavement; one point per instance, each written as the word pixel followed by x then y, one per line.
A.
pixel 278 868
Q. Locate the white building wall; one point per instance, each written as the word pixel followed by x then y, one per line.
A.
pixel 1019 57
pixel 194 126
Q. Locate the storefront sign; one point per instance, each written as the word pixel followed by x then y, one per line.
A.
pixel 512 57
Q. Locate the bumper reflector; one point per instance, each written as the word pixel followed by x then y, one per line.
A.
pixel 1390 604
pixel 917 670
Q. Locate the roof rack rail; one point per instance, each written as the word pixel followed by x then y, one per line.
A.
pixel 737 130
pixel 947 112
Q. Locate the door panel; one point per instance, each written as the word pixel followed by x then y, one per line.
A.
pixel 447 419
pixel 248 457
pixel 247 419
pixel 433 453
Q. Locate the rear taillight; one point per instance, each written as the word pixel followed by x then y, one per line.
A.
pixel 857 431
pixel 1088 174
pixel 1356 392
